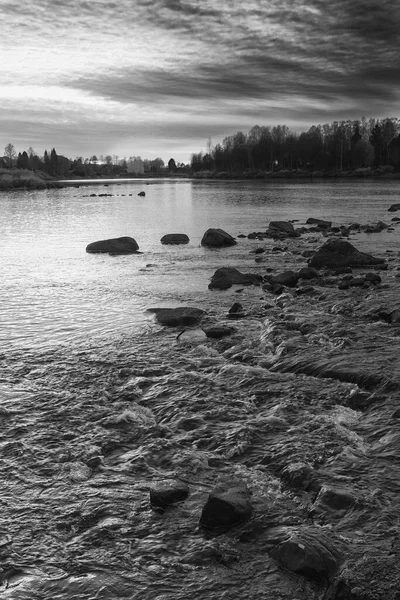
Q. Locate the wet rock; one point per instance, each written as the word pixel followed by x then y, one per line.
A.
pixel 373 278
pixel 257 251
pixel 241 235
pixel 236 311
pixel 308 253
pixel 217 238
pixel 356 282
pixel 287 279
pixel 273 288
pixel 308 273
pixel 165 493
pixel 281 229
pixel 309 553
pixel 359 400
pixel 334 499
pixel 306 290
pixel 225 277
pixel 340 253
pixel 141 193
pixel 182 315
pixel 228 505
pixel 394 207
pixel 175 238
pixel 319 223
pixel 343 270
pixel 299 476
pixel 121 245
pixel 256 235
pixel 218 331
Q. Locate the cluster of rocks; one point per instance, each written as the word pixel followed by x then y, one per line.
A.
pixel 108 195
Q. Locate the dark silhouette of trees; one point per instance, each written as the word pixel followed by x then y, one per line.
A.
pixel 172 165
pixel 337 146
pixel 10 154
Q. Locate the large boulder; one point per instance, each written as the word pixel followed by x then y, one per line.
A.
pixel 175 238
pixel 225 277
pixel 182 315
pixel 217 238
pixel 121 245
pixel 281 229
pixel 228 505
pixel 339 253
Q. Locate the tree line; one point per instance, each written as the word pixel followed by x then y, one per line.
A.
pixel 56 165
pixel 337 146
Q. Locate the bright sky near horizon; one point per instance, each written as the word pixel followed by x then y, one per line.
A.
pixel 158 78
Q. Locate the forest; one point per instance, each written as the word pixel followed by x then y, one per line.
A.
pixel 335 147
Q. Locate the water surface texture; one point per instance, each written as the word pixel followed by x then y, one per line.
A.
pixel 98 402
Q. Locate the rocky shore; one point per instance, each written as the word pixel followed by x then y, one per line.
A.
pixel 252 453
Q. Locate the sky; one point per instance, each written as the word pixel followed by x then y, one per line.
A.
pixel 158 78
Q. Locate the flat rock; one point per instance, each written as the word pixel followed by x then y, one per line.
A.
pixel 228 505
pixel 218 331
pixel 165 493
pixel 340 253
pixel 182 315
pixel 319 223
pixel 334 499
pixel 225 277
pixel 175 238
pixel 217 238
pixel 121 245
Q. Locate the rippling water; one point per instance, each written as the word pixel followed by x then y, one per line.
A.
pixel 98 402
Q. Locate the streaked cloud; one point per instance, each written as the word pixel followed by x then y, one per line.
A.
pixel 156 74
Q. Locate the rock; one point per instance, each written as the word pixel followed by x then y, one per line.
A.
pixel 340 253
pixel 373 278
pixel 310 554
pixel 257 251
pixel 141 193
pixel 299 476
pixel 333 498
pixel 217 238
pixel 218 331
pixel 228 505
pixel 308 273
pixel 225 277
pixel 121 245
pixel 182 315
pixel 175 238
pixel 308 253
pixel 235 308
pixel 273 288
pixel 319 223
pixel 394 207
pixel 356 282
pixel 281 229
pixel 165 493
pixel 287 278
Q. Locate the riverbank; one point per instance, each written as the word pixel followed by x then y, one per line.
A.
pixel 298 403
pixel 385 172
pixel 11 179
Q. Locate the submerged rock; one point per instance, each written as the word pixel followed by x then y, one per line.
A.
pixel 217 238
pixel 165 493
pixel 228 505
pixel 339 253
pixel 121 245
pixel 182 315
pixel 225 277
pixel 309 553
pixel 175 238
pixel 218 331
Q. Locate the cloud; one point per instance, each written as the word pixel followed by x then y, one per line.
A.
pixel 170 68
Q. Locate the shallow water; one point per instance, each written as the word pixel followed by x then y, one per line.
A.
pixel 96 396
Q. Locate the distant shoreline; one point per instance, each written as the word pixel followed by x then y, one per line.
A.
pixel 17 179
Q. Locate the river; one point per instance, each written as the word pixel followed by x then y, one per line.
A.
pixel 99 402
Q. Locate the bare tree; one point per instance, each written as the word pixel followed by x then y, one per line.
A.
pixel 10 154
